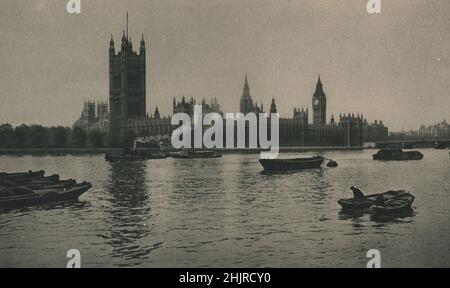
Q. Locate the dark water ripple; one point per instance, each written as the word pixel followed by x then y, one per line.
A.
pixel 225 212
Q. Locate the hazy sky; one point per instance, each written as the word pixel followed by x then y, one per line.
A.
pixel 394 66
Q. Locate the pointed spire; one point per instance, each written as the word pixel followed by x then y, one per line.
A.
pixel 111 45
pixel 156 115
pixel 273 107
pixel 142 41
pixel 246 87
pixel 319 88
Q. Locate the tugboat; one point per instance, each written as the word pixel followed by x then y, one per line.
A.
pixel 397 155
pixel 133 155
pixel 292 164
pixel 127 155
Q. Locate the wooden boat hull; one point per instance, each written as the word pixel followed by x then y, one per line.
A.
pixel 125 159
pixel 46 196
pixel 36 174
pixel 401 158
pixel 351 204
pixel 117 158
pixel 196 155
pixel 38 184
pixel 395 206
pixel 23 177
pixel 398 156
pixel 369 201
pixel 292 164
pixel 138 157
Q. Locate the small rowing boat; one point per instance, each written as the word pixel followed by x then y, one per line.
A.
pixel 368 201
pixel 397 204
pixel 26 196
pixel 292 164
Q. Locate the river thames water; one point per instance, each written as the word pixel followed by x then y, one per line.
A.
pixel 226 213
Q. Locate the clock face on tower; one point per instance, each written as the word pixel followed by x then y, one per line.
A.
pixel 316 102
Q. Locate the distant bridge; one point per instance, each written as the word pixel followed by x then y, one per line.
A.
pixel 410 144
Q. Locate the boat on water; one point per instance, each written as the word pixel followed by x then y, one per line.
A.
pixel 397 155
pixel 441 145
pixel 34 188
pixel 29 174
pixel 26 196
pixel 295 164
pixel 369 200
pixel 133 155
pixel 395 205
pixel 36 184
pixel 21 177
pixel 124 157
pixel 194 154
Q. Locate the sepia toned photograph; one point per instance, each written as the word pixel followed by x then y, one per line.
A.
pixel 252 134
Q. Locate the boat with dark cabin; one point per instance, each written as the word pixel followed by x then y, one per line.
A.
pixel 397 155
pixel 292 164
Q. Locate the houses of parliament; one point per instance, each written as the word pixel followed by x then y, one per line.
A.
pixel 127 109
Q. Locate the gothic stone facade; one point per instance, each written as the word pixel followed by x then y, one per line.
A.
pixel 127 84
pixel 294 132
pixel 94 117
pixel 127 90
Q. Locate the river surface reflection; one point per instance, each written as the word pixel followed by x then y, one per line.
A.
pixel 226 213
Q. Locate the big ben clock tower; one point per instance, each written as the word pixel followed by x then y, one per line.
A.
pixel 319 105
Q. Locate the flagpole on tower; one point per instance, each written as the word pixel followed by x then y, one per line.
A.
pixel 127 27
